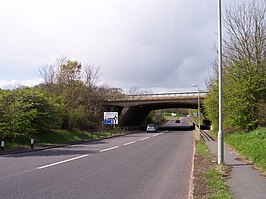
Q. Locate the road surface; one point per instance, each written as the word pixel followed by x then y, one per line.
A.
pixel 136 166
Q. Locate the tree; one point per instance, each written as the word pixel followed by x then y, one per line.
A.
pixel 242 96
pixel 244 78
pixel 91 75
pixel 245 34
pixel 76 84
pixel 26 112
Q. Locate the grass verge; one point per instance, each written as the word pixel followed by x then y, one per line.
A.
pixel 56 137
pixel 251 145
pixel 209 181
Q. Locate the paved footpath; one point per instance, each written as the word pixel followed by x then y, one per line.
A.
pixel 245 182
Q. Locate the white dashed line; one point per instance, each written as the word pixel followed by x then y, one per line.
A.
pixel 64 161
pixel 129 143
pixel 108 149
pixel 144 138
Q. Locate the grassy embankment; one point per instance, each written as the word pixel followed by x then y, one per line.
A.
pixel 213 176
pixel 60 137
pixel 250 145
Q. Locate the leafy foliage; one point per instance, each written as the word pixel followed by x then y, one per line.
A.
pixel 26 112
pixel 244 75
pixel 75 84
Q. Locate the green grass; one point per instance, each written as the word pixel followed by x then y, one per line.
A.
pixel 251 145
pixel 202 148
pixel 216 183
pixel 59 137
pixel 214 176
pixel 64 136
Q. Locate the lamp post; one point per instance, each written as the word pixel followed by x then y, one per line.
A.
pixel 195 85
pixel 220 131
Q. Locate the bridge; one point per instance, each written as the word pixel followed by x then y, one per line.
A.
pixel 133 109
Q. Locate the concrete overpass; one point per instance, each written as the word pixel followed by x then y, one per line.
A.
pixel 133 109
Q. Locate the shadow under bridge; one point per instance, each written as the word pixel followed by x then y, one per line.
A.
pixel 133 109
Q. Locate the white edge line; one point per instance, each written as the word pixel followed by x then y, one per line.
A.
pixel 191 181
pixel 144 138
pixel 155 135
pixel 129 143
pixel 64 161
pixel 108 149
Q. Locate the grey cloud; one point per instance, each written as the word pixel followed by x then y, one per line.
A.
pixel 144 43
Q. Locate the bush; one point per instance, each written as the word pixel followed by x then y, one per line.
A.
pixel 26 112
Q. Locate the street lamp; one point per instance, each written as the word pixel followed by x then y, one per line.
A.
pixel 220 131
pixel 195 85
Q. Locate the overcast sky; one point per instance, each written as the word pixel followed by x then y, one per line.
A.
pixel 157 44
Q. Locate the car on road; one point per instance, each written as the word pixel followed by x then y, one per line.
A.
pixel 151 128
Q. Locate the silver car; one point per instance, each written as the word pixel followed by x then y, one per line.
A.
pixel 151 128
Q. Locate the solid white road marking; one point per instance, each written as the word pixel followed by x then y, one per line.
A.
pixel 155 135
pixel 64 161
pixel 108 149
pixel 129 143
pixel 144 138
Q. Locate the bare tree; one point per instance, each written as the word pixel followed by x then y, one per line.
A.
pixel 91 75
pixel 245 37
pixel 49 73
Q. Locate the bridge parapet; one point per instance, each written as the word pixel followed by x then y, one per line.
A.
pixel 159 95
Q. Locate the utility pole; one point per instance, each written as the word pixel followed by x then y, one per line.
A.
pixel 220 48
pixel 195 85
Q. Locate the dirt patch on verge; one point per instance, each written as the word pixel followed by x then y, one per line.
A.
pixel 202 164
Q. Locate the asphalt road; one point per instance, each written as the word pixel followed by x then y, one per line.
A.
pixel 140 165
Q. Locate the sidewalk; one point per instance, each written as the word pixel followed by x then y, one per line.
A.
pixel 245 182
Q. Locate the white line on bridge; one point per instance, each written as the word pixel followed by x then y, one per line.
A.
pixel 144 138
pixel 108 149
pixel 64 161
pixel 129 143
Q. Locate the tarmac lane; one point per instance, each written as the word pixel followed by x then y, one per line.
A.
pixel 140 165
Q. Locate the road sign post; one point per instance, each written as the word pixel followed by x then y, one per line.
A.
pixel 2 145
pixel 31 143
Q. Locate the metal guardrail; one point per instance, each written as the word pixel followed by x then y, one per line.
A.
pixel 192 93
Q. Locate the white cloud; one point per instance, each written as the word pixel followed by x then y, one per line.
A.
pixel 12 84
pixel 142 43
